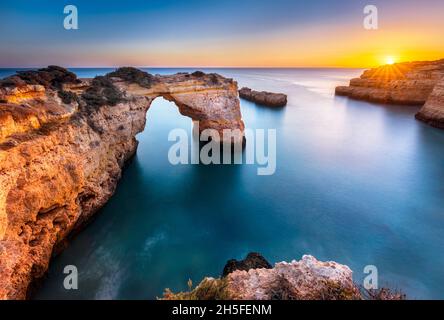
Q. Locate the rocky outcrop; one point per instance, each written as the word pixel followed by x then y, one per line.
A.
pixel 307 279
pixel 264 98
pixel 433 111
pixel 410 83
pixel 64 142
pixel 252 261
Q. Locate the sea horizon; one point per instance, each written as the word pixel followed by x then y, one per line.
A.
pixel 252 150
pixel 331 150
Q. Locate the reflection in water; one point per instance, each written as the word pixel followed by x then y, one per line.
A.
pixel 356 182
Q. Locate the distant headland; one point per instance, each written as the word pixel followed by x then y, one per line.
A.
pixel 409 83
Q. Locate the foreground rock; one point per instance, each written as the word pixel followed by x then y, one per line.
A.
pixel 252 261
pixel 410 83
pixel 264 98
pixel 307 279
pixel 63 144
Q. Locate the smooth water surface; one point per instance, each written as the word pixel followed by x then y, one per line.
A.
pixel 356 182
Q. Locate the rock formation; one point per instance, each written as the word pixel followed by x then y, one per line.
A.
pixel 63 143
pixel 433 111
pixel 410 83
pixel 264 98
pixel 307 279
pixel 252 261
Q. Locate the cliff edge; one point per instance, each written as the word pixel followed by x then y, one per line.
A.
pixel 409 83
pixel 64 142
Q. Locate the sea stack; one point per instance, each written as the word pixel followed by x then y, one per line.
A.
pixel 264 98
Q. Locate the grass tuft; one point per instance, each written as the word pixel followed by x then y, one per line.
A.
pixel 208 289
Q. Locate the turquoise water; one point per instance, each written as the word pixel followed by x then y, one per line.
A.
pixel 356 182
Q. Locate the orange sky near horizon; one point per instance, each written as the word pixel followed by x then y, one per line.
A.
pixel 311 46
pixel 294 34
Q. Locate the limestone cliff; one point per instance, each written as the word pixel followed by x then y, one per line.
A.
pixel 64 142
pixel 433 111
pixel 412 83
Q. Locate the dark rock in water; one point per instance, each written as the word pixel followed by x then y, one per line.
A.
pixel 265 98
pixel 252 261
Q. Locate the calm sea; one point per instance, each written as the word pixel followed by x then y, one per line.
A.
pixel 356 182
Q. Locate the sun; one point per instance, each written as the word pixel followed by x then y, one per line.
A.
pixel 390 60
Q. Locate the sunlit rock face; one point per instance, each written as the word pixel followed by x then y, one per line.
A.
pixel 63 144
pixel 210 99
pixel 433 111
pixel 410 83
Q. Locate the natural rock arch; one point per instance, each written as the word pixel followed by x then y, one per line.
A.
pixel 64 142
pixel 210 99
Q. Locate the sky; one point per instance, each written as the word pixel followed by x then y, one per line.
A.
pixel 228 33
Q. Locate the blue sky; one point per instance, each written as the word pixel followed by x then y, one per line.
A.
pixel 195 32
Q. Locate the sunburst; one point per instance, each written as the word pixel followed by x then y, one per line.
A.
pixel 390 60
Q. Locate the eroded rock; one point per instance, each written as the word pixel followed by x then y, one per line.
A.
pixel 264 98
pixel 410 83
pixel 252 261
pixel 307 279
pixel 433 110
pixel 63 144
